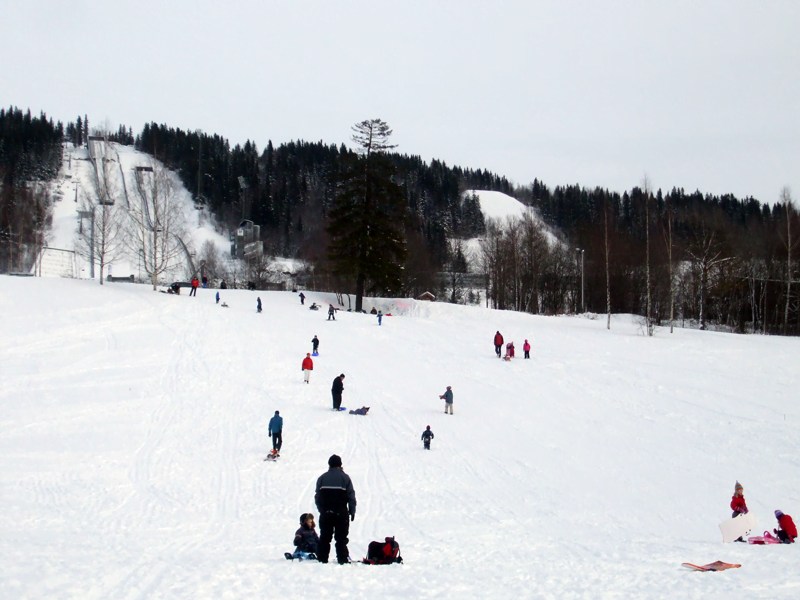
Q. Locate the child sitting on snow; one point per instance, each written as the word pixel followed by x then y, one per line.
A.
pixel 787 532
pixel 510 350
pixel 360 411
pixel 306 539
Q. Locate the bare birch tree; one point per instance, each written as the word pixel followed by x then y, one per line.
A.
pixel 103 240
pixel 157 220
pixel 790 244
pixel 608 276
pixel 646 190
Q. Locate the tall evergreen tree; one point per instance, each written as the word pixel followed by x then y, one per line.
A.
pixel 366 223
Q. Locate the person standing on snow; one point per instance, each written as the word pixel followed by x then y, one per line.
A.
pixel 448 400
pixel 217 297
pixel 302 299
pixel 498 344
pixel 336 391
pixel 331 312
pixel 315 344
pixel 426 438
pixel 336 500
pixel 276 430
pixel 195 285
pixel 526 348
pixel 380 316
pixel 258 304
pixel 308 366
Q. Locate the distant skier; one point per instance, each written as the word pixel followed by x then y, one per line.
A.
pixel 498 344
pixel 787 531
pixel 195 285
pixel 217 297
pixel 302 299
pixel 331 312
pixel 426 438
pixel 308 366
pixel 276 431
pixel 315 344
pixel 526 348
pixel 380 316
pixel 448 400
pixel 258 304
pixel 336 391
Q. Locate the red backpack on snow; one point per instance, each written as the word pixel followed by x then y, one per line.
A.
pixel 383 553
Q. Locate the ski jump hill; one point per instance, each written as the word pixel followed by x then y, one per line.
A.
pixel 133 428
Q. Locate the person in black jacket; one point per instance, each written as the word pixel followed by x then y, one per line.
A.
pixel 306 538
pixel 336 391
pixel 427 436
pixel 315 344
pixel 336 500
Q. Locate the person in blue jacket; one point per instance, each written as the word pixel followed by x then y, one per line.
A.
pixel 276 430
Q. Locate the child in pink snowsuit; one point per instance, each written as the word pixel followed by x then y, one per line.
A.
pixel 526 348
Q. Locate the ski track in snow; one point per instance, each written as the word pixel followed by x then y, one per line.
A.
pixel 133 428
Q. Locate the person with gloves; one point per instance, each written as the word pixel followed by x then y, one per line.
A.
pixel 426 438
pixel 336 501
pixel 448 400
pixel 308 366
pixel 526 348
pixel 787 531
pixel 276 430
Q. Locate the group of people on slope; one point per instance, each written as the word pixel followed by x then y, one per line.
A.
pixel 786 531
pixel 498 347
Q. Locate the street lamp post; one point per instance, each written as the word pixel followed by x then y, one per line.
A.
pixel 583 302
pixel 88 214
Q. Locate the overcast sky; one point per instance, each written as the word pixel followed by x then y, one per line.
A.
pixel 699 95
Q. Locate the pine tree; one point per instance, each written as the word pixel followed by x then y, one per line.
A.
pixel 366 223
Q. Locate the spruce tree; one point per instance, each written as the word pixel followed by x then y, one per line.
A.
pixel 366 222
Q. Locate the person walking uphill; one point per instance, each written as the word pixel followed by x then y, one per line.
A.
pixel 448 400
pixel 426 438
pixel 336 501
pixel 498 344
pixel 276 430
pixel 195 285
pixel 336 391
pixel 308 366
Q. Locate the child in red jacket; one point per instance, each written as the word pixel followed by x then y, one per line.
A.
pixel 787 532
pixel 738 504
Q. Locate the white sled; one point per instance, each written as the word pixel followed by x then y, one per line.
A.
pixel 738 527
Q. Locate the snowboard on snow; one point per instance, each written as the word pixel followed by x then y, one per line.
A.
pixel 715 566
pixel 738 527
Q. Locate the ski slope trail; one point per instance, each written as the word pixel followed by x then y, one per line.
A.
pixel 133 428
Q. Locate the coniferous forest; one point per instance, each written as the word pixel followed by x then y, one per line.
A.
pixel 673 257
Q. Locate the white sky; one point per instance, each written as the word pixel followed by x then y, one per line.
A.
pixel 695 94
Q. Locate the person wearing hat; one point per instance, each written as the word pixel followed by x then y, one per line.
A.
pixel 448 400
pixel 336 501
pixel 787 531
pixel 426 438
pixel 306 539
pixel 308 366
pixel 275 430
pixel 336 391
pixel 526 348
pixel 738 504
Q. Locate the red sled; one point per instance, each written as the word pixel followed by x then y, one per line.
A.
pixel 715 566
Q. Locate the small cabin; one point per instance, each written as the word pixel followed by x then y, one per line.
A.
pixel 427 296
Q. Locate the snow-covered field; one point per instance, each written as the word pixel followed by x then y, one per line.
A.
pixel 133 425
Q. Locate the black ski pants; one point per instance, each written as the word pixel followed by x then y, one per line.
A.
pixel 498 348
pixel 337 400
pixel 277 440
pixel 333 526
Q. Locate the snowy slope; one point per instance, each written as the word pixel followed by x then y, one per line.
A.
pixel 77 174
pixel 133 425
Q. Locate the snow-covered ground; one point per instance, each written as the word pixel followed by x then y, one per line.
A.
pixel 133 425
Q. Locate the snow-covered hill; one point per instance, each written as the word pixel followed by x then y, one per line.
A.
pixel 74 188
pixel 133 425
